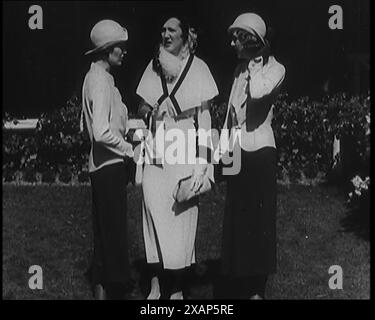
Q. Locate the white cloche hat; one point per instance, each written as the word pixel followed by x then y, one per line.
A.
pixel 250 22
pixel 105 34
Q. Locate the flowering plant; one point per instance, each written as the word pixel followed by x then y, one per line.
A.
pixel 359 195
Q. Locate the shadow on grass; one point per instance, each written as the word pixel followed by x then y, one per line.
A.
pixel 132 290
pixel 357 221
pixel 202 281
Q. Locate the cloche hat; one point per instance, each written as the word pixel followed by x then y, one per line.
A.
pixel 250 22
pixel 105 34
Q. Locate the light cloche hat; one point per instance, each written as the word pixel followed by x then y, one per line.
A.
pixel 250 22
pixel 105 34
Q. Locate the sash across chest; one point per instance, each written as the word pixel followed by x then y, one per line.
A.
pixel 171 95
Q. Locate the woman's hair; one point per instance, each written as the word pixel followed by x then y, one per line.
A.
pixel 189 37
pixel 185 26
pixel 102 54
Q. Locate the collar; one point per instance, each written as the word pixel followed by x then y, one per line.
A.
pixel 99 68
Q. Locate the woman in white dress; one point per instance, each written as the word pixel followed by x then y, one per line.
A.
pixel 176 89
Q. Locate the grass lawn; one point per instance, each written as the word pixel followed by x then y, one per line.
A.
pixel 50 226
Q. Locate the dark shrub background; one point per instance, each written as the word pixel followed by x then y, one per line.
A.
pixel 304 131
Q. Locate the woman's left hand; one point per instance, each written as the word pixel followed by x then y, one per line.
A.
pixel 158 113
pixel 198 177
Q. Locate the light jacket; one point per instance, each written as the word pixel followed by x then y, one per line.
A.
pixel 106 119
pixel 250 106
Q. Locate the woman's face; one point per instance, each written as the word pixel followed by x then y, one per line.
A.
pixel 171 35
pixel 117 54
pixel 244 42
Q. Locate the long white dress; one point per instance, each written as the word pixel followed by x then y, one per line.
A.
pixel 170 228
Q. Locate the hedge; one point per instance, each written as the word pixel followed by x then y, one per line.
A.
pixel 56 152
pixel 304 132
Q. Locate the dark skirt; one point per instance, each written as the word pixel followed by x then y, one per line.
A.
pixel 249 229
pixel 110 265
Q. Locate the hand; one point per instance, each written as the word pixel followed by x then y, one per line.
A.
pixel 254 66
pixel 158 114
pixel 197 183
pixel 129 152
pixel 198 177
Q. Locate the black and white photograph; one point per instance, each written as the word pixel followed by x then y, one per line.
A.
pixel 186 150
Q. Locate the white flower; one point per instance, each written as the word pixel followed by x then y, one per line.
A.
pixel 357 192
pixel 350 194
pixel 356 181
pixel 360 184
pixel 366 183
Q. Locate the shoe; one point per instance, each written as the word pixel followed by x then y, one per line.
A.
pixel 256 297
pixel 177 296
pixel 152 296
pixel 154 293
pixel 99 293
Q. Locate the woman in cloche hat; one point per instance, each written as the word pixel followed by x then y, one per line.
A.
pixel 249 229
pixel 106 119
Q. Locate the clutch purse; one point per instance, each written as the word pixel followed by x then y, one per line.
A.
pixel 183 192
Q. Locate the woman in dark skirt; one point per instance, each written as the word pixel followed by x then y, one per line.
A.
pixel 106 118
pixel 249 230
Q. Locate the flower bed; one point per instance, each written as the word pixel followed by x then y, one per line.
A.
pixel 359 196
pixel 55 152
